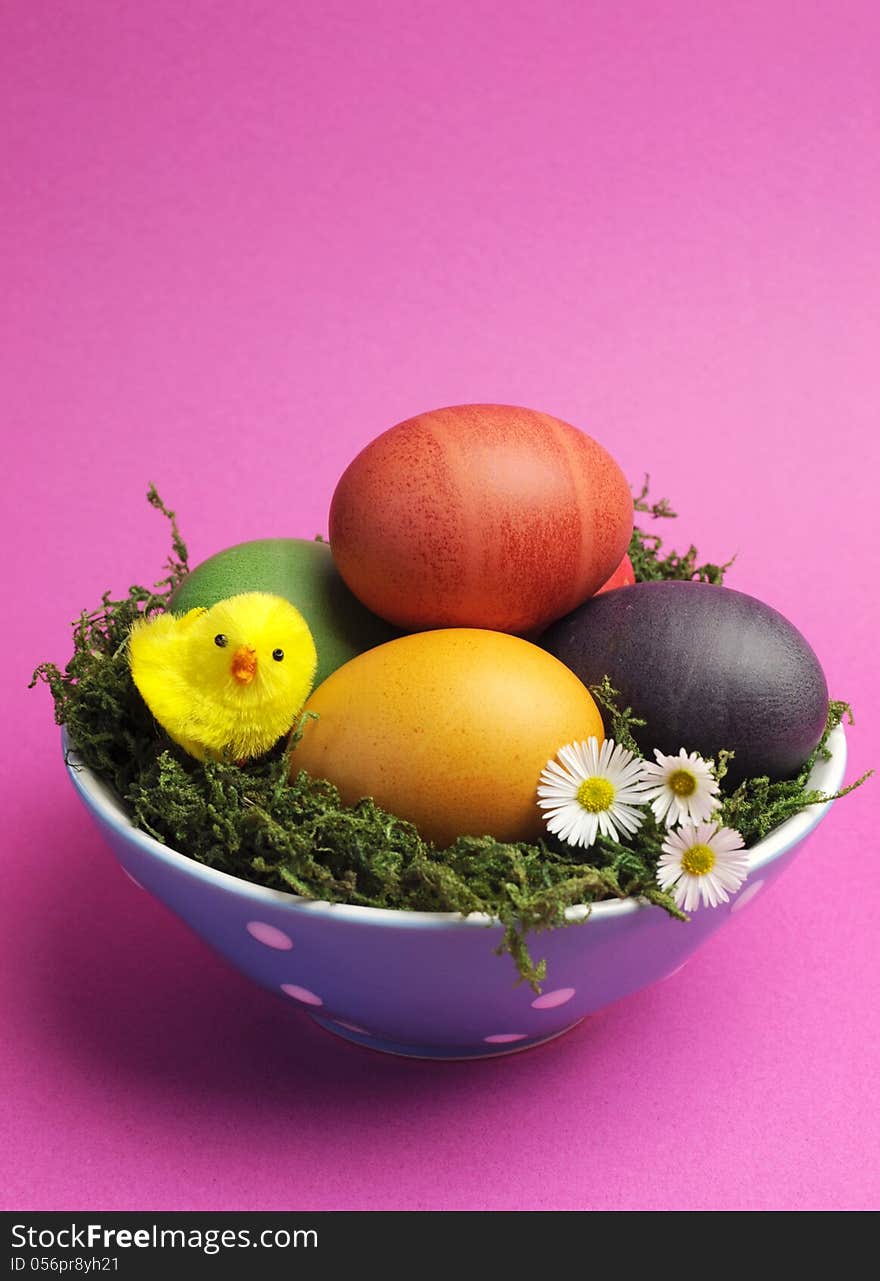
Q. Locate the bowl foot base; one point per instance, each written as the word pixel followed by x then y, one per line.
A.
pixel 451 1053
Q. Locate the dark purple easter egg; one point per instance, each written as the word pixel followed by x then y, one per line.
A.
pixel 706 667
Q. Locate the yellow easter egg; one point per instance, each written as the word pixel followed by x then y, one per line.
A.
pixel 449 729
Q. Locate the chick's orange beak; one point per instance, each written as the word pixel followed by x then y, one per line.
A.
pixel 244 664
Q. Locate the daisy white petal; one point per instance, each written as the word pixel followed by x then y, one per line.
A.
pixel 701 862
pixel 681 789
pixel 596 790
pixel 557 774
pixel 728 840
pixel 570 757
pixel 586 757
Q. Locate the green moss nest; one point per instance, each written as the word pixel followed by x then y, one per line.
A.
pixel 255 823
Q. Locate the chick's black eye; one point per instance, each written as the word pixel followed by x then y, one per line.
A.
pixel 221 641
pixel 278 654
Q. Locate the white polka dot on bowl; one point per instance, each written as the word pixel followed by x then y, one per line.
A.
pixel 505 1038
pixel 269 935
pixel 745 896
pixel 550 1000
pixel 301 994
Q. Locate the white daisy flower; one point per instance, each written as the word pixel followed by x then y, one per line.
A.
pixel 702 862
pixel 681 789
pixel 594 791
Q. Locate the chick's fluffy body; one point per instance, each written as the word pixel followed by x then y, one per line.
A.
pixel 188 681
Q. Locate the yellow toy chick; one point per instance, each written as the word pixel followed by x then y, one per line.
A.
pixel 226 682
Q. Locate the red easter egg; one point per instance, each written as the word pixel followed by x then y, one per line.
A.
pixel 484 516
pixel 623 576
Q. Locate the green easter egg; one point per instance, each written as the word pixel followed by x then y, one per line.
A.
pixel 302 571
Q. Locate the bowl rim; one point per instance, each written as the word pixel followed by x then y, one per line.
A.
pixel 100 800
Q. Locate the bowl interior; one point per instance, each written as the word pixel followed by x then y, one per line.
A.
pixel 106 806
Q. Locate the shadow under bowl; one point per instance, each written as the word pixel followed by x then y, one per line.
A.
pixel 431 984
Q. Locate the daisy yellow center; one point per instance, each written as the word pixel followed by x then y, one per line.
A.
pixel 595 794
pixel 682 782
pixel 698 860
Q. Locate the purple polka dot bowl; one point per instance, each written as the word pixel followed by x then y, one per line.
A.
pixel 431 984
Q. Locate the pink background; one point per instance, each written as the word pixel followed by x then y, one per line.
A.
pixel 242 240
